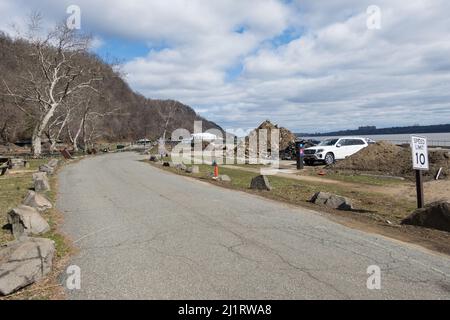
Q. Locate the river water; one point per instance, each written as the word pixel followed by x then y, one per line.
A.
pixel 434 139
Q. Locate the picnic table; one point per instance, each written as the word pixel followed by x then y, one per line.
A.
pixel 4 166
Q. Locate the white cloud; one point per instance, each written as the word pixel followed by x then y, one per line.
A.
pixel 336 74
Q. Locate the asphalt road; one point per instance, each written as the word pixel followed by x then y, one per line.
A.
pixel 144 233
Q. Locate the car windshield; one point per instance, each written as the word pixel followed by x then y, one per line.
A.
pixel 329 142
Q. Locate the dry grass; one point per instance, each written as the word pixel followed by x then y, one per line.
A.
pixel 13 189
pixel 380 207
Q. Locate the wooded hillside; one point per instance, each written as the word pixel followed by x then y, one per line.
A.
pixel 109 112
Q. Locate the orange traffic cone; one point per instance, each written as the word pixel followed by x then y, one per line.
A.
pixel 216 171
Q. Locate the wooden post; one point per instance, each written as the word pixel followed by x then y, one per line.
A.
pixel 419 188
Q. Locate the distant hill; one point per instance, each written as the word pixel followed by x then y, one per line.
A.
pixel 136 117
pixel 440 128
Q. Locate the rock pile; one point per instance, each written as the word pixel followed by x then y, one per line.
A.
pixel 26 260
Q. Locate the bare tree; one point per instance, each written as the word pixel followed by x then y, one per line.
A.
pixel 55 128
pixel 56 72
pixel 168 118
pixel 85 122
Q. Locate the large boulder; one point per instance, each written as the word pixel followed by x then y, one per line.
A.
pixel 181 167
pixel 261 183
pixel 332 201
pixel 168 164
pixel 224 178
pixel 24 262
pixel 40 181
pixel 27 221
pixel 37 201
pixel 47 169
pixel 435 215
pixel 53 163
pixel 193 170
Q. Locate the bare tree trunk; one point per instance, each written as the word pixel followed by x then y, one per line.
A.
pixel 51 140
pixel 84 135
pixel 36 147
pixel 54 140
pixel 77 135
pixel 39 130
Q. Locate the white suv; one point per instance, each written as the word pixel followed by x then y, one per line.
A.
pixel 330 150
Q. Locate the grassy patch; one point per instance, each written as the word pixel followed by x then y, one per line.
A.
pixel 363 179
pixel 13 189
pixel 297 192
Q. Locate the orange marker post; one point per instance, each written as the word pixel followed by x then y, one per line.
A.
pixel 216 170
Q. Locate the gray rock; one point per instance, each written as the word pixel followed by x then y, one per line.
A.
pixel 27 221
pixel 37 201
pixel 24 262
pixel 261 183
pixel 193 170
pixel 224 178
pixel 181 167
pixel 47 169
pixel 41 183
pixel 436 215
pixel 332 201
pixel 53 163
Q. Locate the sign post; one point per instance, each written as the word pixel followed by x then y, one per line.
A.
pixel 419 149
pixel 300 153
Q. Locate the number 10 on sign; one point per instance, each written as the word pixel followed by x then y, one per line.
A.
pixel 419 153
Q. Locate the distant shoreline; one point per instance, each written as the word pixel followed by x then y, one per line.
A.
pixel 438 129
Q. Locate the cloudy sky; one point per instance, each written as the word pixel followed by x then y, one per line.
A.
pixel 308 65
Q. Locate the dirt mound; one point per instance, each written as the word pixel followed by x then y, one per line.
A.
pixel 435 215
pixel 388 159
pixel 286 136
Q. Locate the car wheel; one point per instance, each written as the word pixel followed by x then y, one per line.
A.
pixel 329 159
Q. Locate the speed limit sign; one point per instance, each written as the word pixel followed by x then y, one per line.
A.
pixel 420 153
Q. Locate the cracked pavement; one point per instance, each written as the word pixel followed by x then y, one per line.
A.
pixel 143 233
